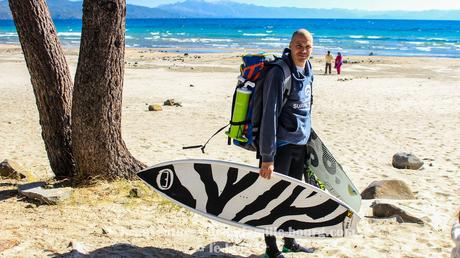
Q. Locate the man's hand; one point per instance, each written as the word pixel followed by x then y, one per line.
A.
pixel 266 169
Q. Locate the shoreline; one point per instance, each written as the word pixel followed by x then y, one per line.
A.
pixel 239 51
pixel 204 51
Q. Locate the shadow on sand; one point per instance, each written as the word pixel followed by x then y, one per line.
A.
pixel 126 250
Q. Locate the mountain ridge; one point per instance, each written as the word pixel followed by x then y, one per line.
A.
pixel 65 9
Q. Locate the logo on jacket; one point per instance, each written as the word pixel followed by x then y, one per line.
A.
pixel 301 105
pixel 308 91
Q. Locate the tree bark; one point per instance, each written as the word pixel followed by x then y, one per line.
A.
pixel 99 149
pixel 50 78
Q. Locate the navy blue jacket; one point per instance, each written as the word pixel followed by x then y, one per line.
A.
pixel 291 123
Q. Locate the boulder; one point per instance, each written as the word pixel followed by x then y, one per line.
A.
pixel 385 210
pixel 388 189
pixel 169 102
pixel 11 169
pixel 404 160
pixel 38 192
pixel 78 249
pixel 172 102
pixel 155 107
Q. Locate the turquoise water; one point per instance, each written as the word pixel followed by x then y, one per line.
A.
pixel 349 36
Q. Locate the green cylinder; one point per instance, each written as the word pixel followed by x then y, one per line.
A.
pixel 240 111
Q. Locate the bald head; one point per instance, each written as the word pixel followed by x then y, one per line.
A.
pixel 301 46
pixel 302 33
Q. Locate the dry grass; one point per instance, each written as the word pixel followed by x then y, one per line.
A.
pixel 103 192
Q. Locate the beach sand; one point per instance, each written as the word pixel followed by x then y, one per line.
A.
pixel 378 106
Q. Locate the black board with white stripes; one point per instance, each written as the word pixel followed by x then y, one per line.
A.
pixel 235 194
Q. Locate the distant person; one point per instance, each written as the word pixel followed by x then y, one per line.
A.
pixel 338 62
pixel 455 233
pixel 328 59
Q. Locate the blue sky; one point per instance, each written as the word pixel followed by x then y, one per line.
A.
pixel 408 5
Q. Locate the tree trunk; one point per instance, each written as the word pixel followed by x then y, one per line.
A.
pixel 99 149
pixel 50 78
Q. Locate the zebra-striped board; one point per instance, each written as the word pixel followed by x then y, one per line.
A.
pixel 235 194
pixel 331 173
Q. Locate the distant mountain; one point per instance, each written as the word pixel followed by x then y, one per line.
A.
pixel 5 13
pixel 64 9
pixel 228 9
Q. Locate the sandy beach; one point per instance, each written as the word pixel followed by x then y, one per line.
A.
pixel 377 107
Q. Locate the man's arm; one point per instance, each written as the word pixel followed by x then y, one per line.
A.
pixel 271 103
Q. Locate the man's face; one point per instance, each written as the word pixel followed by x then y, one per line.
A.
pixel 301 47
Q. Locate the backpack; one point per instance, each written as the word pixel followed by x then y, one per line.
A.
pixel 247 105
pixel 247 109
pixel 244 129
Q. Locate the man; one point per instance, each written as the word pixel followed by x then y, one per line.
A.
pixel 285 129
pixel 328 59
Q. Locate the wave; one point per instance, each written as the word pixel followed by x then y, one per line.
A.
pixel 437 39
pixel 191 40
pixel 195 40
pixel 374 37
pixel 255 34
pixel 9 34
pixel 271 44
pixel 325 40
pixel 220 45
pixel 270 39
pixel 215 40
pixel 152 38
pixel 356 36
pixel 362 41
pixel 415 43
pixel 70 34
pixel 425 49
pixel 442 47
pixel 384 48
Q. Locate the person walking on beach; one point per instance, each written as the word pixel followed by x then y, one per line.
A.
pixel 328 58
pixel 285 130
pixel 455 233
pixel 338 62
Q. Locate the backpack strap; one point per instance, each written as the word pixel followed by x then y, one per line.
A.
pixel 202 147
pixel 287 84
pixel 312 79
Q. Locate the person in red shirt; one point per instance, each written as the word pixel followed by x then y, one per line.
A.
pixel 338 62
